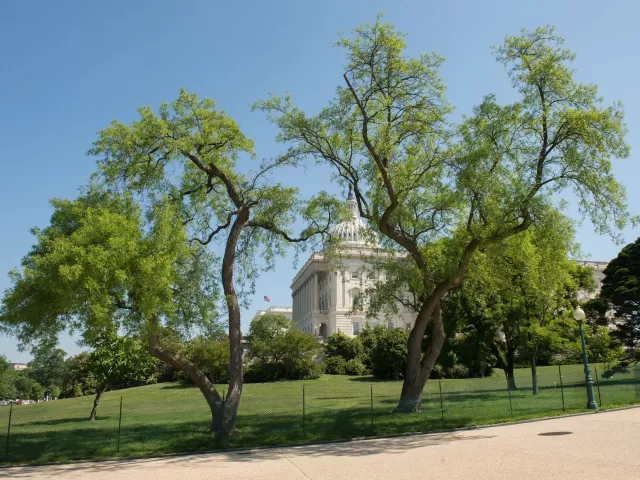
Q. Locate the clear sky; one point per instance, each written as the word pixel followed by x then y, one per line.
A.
pixel 67 68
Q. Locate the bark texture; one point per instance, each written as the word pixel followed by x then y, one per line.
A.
pixel 96 402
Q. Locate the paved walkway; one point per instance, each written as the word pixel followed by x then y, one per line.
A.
pixel 598 446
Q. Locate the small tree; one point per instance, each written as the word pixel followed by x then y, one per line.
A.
pixel 212 356
pixel 621 287
pixel 278 350
pixel 79 380
pixel 340 344
pixel 53 391
pixel 37 392
pixel 48 366
pixel 116 358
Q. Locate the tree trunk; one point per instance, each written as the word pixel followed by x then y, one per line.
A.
pixel 232 402
pixel 534 375
pixel 208 390
pixel 419 366
pixel 96 401
pixel 511 380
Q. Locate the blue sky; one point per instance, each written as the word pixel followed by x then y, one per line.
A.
pixel 70 67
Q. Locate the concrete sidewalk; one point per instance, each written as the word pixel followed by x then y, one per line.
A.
pixel 596 446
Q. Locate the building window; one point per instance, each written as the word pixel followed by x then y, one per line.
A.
pixel 391 326
pixel 371 276
pixel 355 274
pixel 407 327
pixel 356 328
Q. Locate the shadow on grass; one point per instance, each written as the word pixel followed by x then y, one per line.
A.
pixel 392 446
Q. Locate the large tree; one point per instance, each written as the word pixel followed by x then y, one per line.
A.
pixel 188 152
pixel 440 192
pixel 98 266
pixel 621 287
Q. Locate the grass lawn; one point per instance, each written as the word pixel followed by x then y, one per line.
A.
pixel 172 417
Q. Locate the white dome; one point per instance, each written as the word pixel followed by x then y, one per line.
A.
pixel 354 232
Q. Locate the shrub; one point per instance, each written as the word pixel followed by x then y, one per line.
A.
pixel 355 367
pixel 341 345
pixel 261 372
pixel 389 356
pixel 457 371
pixel 336 365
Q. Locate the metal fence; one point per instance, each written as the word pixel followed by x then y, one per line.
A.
pixel 173 421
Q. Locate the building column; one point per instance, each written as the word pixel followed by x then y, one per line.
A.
pixel 315 292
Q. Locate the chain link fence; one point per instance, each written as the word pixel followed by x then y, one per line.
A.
pixel 127 425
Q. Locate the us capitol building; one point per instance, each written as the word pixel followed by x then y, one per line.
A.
pixel 324 291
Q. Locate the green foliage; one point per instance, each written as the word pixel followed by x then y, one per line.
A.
pixel 389 355
pixel 441 192
pixel 340 344
pixel 211 356
pixel 278 350
pixel 54 391
pixel 24 386
pixel 37 392
pixel 262 332
pixel 97 266
pixel 335 365
pixel 79 379
pixel 621 287
pixel 355 367
pixel 116 358
pixel 48 366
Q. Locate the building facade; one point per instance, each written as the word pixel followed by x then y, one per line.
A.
pixel 323 292
pixel 286 311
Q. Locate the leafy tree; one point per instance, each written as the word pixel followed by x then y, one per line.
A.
pixel 278 350
pixel 7 387
pixel 37 392
pixel 98 265
pixel 263 331
pixel 212 357
pixel 24 386
pixel 340 344
pixel 48 366
pixel 621 287
pixel 389 356
pixel 249 214
pixel 79 380
pixel 335 365
pixel 54 391
pixel 298 354
pixel 117 358
pixel 355 367
pixel 441 193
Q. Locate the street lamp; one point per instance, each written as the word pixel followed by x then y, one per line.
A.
pixel 579 315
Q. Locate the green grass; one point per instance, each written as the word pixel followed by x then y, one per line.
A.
pixel 172 417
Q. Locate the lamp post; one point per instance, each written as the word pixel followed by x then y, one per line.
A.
pixel 579 315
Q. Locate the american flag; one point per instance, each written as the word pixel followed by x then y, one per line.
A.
pixel 267 299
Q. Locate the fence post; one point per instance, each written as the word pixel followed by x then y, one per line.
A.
pixel 304 414
pixel 120 424
pixel 561 387
pixel 441 402
pixel 598 385
pixel 6 446
pixel 372 431
pixel 510 404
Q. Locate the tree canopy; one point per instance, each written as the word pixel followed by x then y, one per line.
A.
pixel 621 287
pixel 440 192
